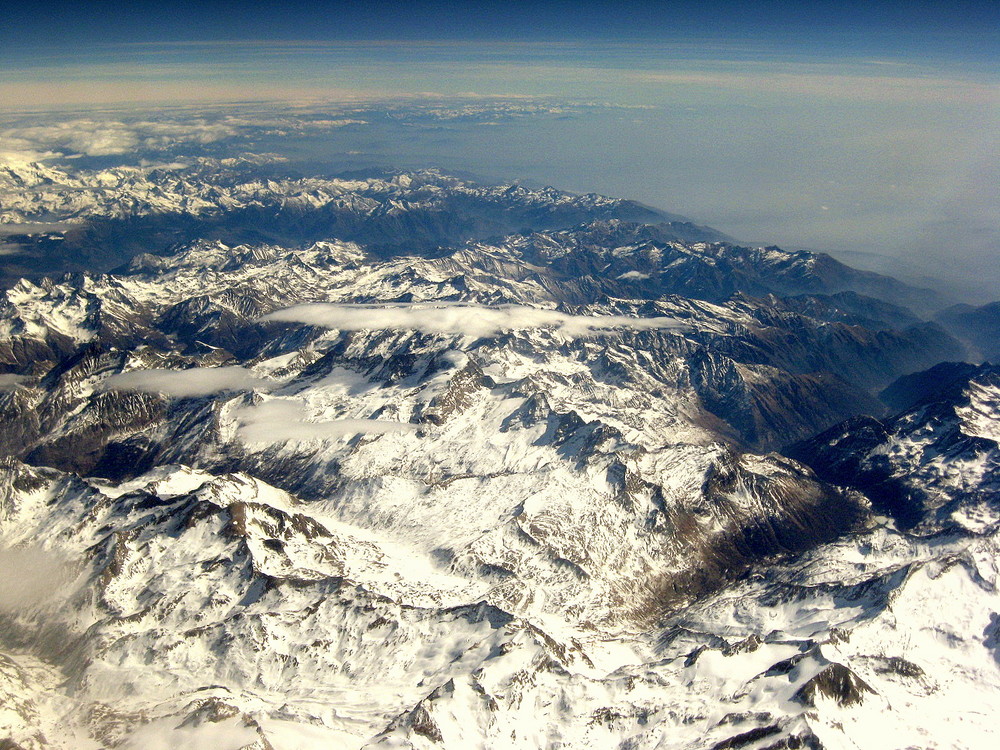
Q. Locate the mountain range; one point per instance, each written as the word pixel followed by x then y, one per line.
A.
pixel 399 460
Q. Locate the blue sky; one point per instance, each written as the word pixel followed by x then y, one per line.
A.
pixel 877 23
pixel 78 53
pixel 853 127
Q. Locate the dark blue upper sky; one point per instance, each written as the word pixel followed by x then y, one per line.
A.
pixel 959 28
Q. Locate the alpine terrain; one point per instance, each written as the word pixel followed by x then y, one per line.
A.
pixel 397 460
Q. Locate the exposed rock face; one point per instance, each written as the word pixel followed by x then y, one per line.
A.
pixel 837 683
pixel 935 463
pixel 945 380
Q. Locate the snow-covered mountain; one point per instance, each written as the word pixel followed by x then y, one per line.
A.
pixel 96 220
pixel 512 490
pixel 936 462
pixel 77 219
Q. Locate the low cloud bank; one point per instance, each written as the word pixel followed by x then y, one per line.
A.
pixel 31 578
pixel 111 137
pixel 197 381
pixel 471 320
pixel 9 381
pixel 173 734
pixel 35 227
pixel 94 137
pixel 278 420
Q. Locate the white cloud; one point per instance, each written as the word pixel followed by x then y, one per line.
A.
pixel 7 380
pixel 109 137
pixel 31 577
pixel 35 227
pixel 634 275
pixel 17 152
pixel 168 734
pixel 279 420
pixel 459 318
pixel 197 381
pixel 91 137
pixel 294 123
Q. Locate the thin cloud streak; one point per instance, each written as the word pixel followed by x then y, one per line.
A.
pixel 461 319
pixel 369 71
pixel 191 383
pixel 812 81
pixel 53 95
pixel 279 421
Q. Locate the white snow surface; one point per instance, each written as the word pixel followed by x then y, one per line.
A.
pixel 981 417
pixel 205 631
